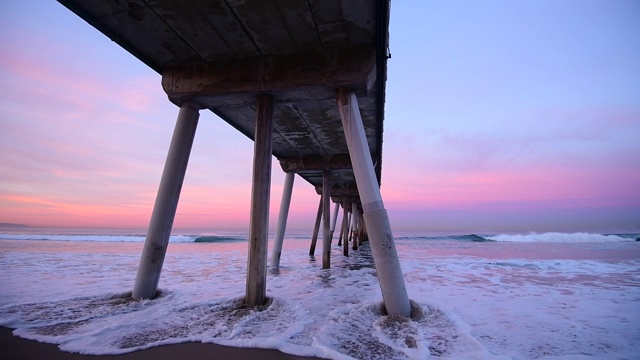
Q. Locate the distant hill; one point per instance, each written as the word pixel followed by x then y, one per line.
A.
pixel 10 225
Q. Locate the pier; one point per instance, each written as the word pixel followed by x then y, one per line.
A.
pixel 305 80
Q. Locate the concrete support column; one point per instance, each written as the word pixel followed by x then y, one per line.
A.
pixel 347 234
pixel 344 213
pixel 334 219
pixel 345 227
pixel 354 225
pixel 394 292
pixel 326 224
pixel 316 229
pixel 256 289
pixel 282 220
pixel 164 210
pixel 362 229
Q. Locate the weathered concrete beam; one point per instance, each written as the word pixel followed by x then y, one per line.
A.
pixel 351 198
pixel 353 68
pixel 315 162
pixel 338 190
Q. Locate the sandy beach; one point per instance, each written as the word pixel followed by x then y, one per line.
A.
pixel 16 348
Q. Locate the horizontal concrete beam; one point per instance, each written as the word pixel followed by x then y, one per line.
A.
pixel 341 190
pixel 315 162
pixel 298 74
pixel 350 199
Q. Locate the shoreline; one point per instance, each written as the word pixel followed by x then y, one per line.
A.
pixel 16 348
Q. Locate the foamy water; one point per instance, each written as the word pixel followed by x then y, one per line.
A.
pixel 508 299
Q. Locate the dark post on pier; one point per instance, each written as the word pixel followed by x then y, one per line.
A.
pixel 304 79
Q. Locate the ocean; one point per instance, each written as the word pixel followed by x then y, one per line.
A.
pixel 474 296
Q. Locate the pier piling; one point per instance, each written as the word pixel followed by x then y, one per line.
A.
pixel 326 225
pixel 342 223
pixel 256 288
pixel 345 227
pixel 362 230
pixel 334 219
pixel 282 220
pixel 164 210
pixel 394 292
pixel 316 229
pixel 354 226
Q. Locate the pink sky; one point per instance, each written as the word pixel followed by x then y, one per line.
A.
pixel 495 121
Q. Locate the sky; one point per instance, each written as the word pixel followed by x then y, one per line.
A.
pixel 501 116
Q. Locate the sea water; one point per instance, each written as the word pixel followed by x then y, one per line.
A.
pixel 531 296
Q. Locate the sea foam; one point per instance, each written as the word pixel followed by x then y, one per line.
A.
pixel 560 237
pixel 472 300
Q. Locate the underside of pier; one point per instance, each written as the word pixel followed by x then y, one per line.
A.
pixel 222 53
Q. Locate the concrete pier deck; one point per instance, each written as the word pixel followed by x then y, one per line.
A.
pixel 223 53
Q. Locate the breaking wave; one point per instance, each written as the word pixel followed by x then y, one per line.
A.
pixel 532 237
pixel 564 238
pixel 124 238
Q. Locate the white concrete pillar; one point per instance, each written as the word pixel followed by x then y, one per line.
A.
pixel 334 219
pixel 326 226
pixel 256 288
pixel 342 224
pixel 164 210
pixel 345 227
pixel 383 248
pixel 316 229
pixel 282 220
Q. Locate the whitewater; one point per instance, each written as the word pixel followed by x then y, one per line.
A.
pixel 527 296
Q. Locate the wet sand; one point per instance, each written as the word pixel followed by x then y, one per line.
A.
pixel 16 348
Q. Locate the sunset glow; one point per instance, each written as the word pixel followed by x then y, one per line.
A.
pixel 508 116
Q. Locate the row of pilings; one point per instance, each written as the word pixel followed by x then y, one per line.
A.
pixel 353 229
pixel 369 210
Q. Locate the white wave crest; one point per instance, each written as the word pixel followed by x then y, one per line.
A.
pixel 97 238
pixel 559 237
